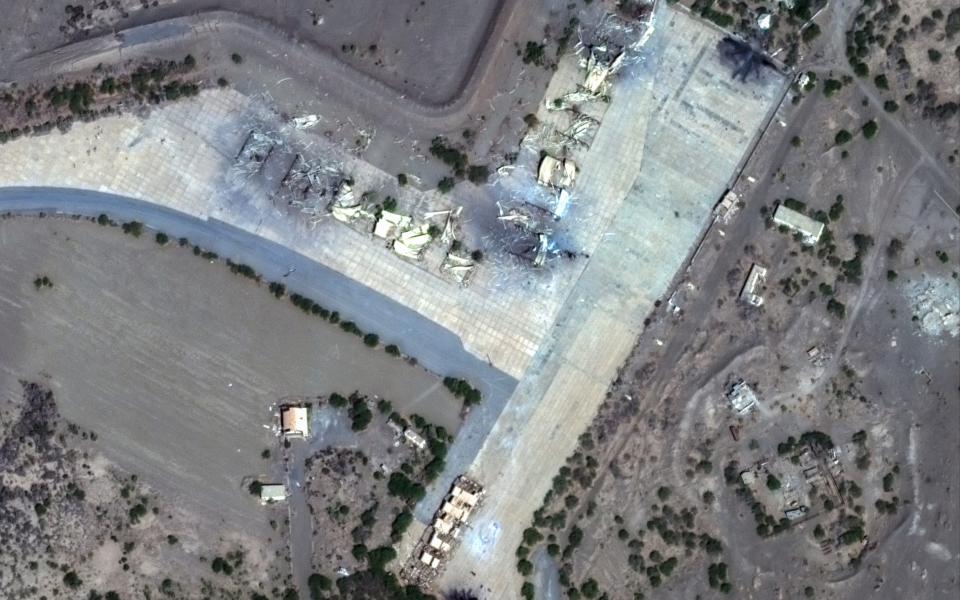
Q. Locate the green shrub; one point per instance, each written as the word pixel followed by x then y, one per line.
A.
pixel 371 340
pixel 533 53
pixel 401 486
pixel 360 415
pixel 524 567
pixel 531 536
pixel 318 584
pixel 400 524
pixel 134 228
pixel 379 557
pixel 72 580
pixel 811 32
pixel 831 86
pixel 527 590
pixel 836 308
pixel 446 184
pixel 870 129
pixel 843 136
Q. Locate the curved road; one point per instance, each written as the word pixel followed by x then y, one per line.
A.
pixel 303 61
pixel 436 348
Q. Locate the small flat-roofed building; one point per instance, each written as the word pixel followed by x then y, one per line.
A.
pixel 415 439
pixel 751 288
pixel 442 526
pixel 810 229
pixel 742 397
pixel 272 492
pixel 294 421
pixel 426 558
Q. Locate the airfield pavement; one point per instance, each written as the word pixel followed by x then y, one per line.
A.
pixel 675 113
pixel 678 112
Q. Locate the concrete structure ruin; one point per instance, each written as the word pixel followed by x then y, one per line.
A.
pixel 742 397
pixel 810 229
pixel 728 208
pixel 557 172
pixel 750 293
pixel 439 539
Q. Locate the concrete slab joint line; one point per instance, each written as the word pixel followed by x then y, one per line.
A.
pixel 648 213
pixel 662 213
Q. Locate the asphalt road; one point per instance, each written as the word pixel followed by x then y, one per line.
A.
pixel 436 348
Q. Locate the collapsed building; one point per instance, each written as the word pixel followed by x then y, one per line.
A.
pixel 439 539
pixel 742 397
pixel 750 293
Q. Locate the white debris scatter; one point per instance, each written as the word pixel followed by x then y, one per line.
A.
pixel 936 304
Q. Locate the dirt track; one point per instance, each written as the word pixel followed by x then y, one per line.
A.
pixel 472 60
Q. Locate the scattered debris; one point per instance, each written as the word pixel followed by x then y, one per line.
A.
pixel 751 289
pixel 742 397
pixel 727 209
pixel 557 173
pixel 936 305
pixel 439 539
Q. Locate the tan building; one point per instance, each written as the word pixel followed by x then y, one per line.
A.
pixel 294 421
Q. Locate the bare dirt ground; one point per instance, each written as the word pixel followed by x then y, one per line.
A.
pixel 165 390
pixel 76 525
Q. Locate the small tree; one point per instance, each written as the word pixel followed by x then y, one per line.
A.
pixel 162 238
pixel 527 590
pixel 843 136
pixel 524 567
pixel 236 58
pixel 478 173
pixel 870 129
pixel 446 184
